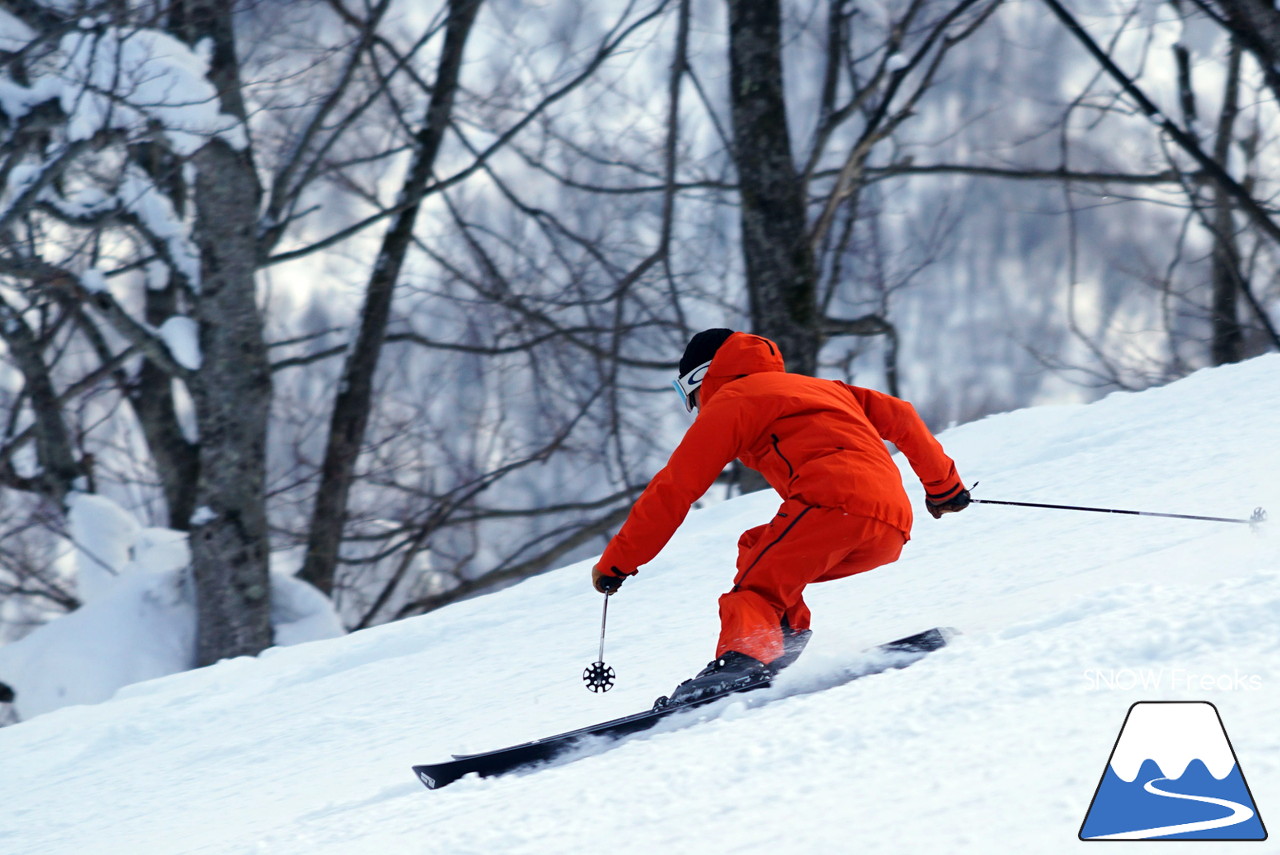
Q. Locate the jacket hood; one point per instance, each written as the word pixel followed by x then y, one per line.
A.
pixel 741 354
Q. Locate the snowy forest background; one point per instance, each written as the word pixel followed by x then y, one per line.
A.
pixel 389 295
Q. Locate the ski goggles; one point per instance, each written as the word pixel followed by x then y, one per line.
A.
pixel 687 384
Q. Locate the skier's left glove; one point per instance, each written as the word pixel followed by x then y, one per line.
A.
pixel 607 581
pixel 955 504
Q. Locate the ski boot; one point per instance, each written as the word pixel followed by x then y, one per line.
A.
pixel 730 673
pixel 794 642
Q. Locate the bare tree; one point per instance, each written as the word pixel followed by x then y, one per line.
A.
pixel 132 246
pixel 114 74
pixel 1205 164
pixel 384 560
pixel 353 402
pixel 784 252
pixel 1255 25
pixel 137 245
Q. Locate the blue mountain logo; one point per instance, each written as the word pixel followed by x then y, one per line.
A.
pixel 1173 775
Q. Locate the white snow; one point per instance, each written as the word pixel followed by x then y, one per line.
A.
pixel 157 275
pixel 138 618
pixel 141 198
pixel 182 336
pixel 995 744
pixel 17 100
pixel 203 514
pixel 13 33
pixel 103 535
pixel 132 80
pixel 93 280
pixel 123 78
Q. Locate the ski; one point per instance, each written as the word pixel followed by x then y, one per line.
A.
pixel 884 657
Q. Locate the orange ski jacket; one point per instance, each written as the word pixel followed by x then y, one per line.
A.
pixel 819 442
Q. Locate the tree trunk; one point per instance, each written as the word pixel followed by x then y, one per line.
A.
pixel 177 460
pixel 1228 334
pixel 781 273
pixel 232 393
pixel 232 388
pixel 351 407
pixel 55 455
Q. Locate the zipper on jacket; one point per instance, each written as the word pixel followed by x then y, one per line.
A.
pixel 790 471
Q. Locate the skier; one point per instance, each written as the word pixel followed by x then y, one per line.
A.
pixel 819 444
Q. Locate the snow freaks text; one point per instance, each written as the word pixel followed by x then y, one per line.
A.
pixel 1169 679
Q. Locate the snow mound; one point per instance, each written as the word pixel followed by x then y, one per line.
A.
pixel 138 619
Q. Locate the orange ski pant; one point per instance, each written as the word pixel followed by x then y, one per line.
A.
pixel 800 545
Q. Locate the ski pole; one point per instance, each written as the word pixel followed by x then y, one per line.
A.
pixel 598 676
pixel 1258 513
pixel 604 617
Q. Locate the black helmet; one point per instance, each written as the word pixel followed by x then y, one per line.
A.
pixel 696 360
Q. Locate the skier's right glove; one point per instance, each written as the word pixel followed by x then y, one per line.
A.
pixel 956 503
pixel 607 581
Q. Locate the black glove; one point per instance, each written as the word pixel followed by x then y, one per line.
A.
pixel 956 503
pixel 606 581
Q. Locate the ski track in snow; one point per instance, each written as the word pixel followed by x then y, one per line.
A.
pixel 1239 813
pixel 993 744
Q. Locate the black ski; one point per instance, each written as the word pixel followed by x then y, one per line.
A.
pixel 895 654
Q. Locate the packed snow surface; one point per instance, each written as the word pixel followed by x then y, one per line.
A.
pixel 994 744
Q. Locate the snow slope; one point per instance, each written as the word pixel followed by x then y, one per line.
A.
pixel 995 744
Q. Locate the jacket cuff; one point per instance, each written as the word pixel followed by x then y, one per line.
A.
pixel 941 496
pixel 610 563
